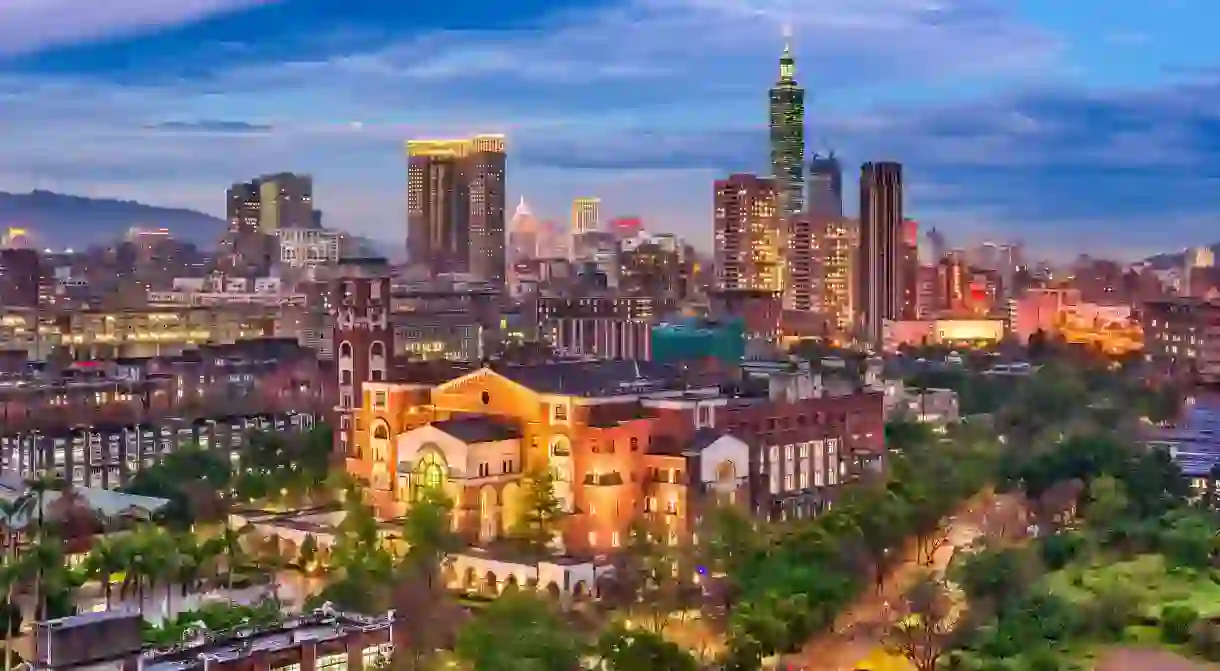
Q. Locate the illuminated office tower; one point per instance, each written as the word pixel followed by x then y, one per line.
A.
pixel 749 234
pixel 586 215
pixel 455 205
pixel 879 270
pixel 788 136
pixel 825 197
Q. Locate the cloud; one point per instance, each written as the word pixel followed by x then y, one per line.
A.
pixel 645 103
pixel 210 126
pixel 31 25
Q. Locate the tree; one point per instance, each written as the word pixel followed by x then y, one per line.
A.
pixel 110 555
pixel 924 634
pixel 1189 540
pixel 428 533
pixel 518 632
pixel 621 649
pixel 1107 502
pixel 646 575
pixel 994 578
pixel 542 511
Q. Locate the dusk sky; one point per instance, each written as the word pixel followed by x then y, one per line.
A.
pixel 1066 123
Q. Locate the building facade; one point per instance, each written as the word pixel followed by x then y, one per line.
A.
pixel 626 440
pixel 787 107
pixel 586 215
pixel 456 206
pixel 879 271
pixel 749 234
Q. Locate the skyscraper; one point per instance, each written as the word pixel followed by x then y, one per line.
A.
pixel 455 205
pixel 285 201
pixel 825 186
pixel 586 215
pixel 882 250
pixel 788 136
pixel 749 238
pixel 269 203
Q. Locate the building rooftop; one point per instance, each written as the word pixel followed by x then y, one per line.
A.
pixel 480 429
pixel 593 378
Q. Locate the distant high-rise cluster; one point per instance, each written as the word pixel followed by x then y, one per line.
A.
pixel 269 203
pixel 456 206
pixel 586 215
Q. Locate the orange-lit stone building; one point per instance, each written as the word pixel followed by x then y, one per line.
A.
pixel 624 439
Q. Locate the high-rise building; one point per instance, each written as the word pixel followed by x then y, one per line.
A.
pixel 825 186
pixel 285 201
pixel 243 207
pixel 586 215
pixel 910 269
pixel 788 136
pixel 803 267
pixel 455 205
pixel 20 275
pixel 271 202
pixel 879 276
pixel 749 234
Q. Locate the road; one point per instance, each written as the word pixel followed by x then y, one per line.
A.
pixel 861 629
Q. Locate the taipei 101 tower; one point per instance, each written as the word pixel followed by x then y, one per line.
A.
pixel 788 134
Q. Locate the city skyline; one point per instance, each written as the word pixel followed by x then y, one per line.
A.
pixel 1027 123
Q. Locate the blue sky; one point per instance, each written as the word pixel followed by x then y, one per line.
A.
pixel 1084 123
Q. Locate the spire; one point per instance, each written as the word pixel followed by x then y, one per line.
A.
pixel 787 63
pixel 523 210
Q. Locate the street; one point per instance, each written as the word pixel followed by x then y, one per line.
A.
pixel 861 630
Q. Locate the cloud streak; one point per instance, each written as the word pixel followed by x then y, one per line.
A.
pixel 32 25
pixel 643 102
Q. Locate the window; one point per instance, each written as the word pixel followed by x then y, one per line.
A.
pixel 635 444
pixel 333 662
pixel 614 539
pixel 380 432
pixel 370 657
pixel 560 413
pixel 484 470
pixel 295 666
pixel 593 538
pixel 429 474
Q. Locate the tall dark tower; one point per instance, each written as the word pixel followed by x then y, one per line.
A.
pixel 788 136
pixel 825 186
pixel 879 276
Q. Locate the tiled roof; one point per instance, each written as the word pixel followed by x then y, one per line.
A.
pixel 478 429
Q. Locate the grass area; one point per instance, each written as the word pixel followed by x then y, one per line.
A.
pixel 1157 584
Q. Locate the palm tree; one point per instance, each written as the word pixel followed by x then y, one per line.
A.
pixel 11 574
pixel 32 505
pixel 110 555
pixel 230 543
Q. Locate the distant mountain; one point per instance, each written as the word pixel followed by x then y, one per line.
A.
pixel 58 220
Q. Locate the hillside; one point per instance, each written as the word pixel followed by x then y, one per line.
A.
pixel 59 220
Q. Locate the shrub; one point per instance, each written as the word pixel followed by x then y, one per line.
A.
pixel 1176 623
pixel 1059 549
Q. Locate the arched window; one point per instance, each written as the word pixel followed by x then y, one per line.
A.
pixel 378 348
pixel 429 473
pixel 345 349
pixel 380 432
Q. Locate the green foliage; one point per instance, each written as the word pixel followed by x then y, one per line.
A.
pixel 219 616
pixel 1176 623
pixel 189 478
pixel 622 649
pixel 1188 539
pixel 1059 549
pixel 518 632
pixel 542 511
pixel 1108 501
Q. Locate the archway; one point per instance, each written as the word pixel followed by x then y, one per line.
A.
pixel 487 513
pixel 449 575
pixel 491 586
pixel 512 500
pixel 579 591
pixel 510 585
pixel 430 472
pixel 553 591
pixel 470 578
